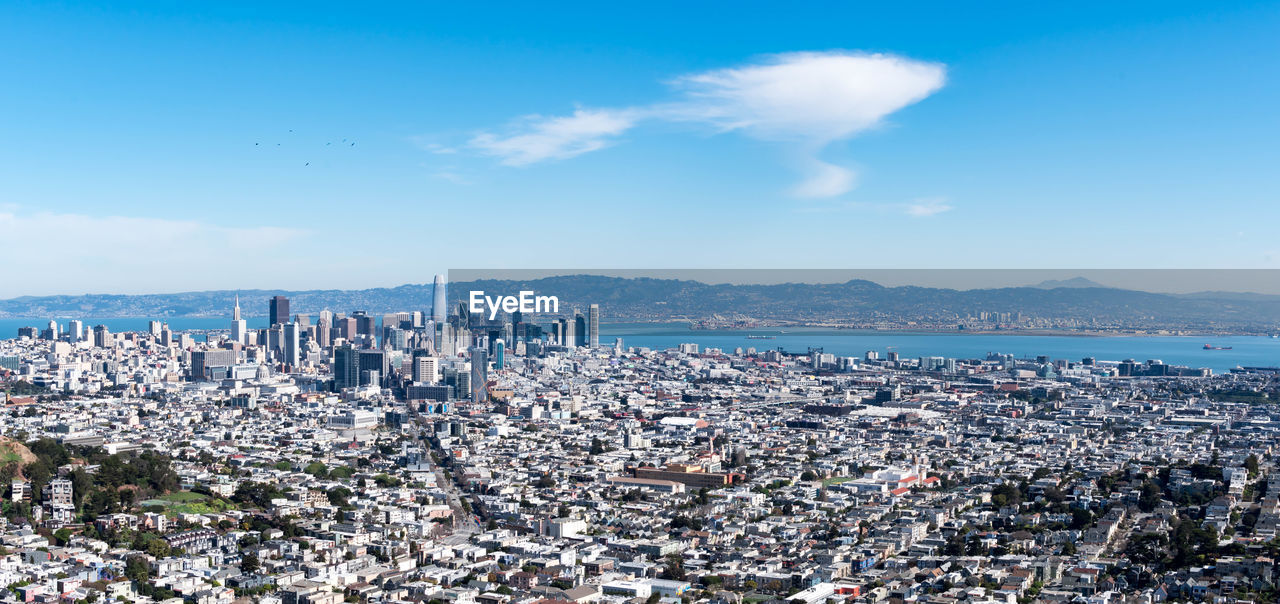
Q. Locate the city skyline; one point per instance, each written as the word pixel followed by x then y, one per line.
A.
pixel 1083 136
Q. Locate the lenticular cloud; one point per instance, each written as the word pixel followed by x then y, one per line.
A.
pixel 808 99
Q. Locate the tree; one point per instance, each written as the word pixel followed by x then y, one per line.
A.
pixel 1251 464
pixel 675 568
pixel 249 564
pixel 137 569
pixel 1149 499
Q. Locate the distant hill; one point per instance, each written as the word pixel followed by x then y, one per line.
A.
pixel 664 299
pixel 1074 282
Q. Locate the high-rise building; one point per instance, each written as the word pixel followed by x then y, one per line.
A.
pixel 373 367
pixel 239 331
pixel 346 328
pixel 425 368
pixel 153 327
pixel 75 329
pixel 292 355
pixel 579 329
pixel 479 375
pixel 346 368
pixel 102 336
pixel 593 326
pixel 499 355
pixel 279 310
pixel 324 333
pixel 568 333
pixel 203 362
pixel 439 301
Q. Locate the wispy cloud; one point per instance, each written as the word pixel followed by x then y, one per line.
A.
pixel 825 180
pixel 919 208
pixel 922 208
pixel 808 100
pixel 122 253
pixel 453 176
pixel 539 138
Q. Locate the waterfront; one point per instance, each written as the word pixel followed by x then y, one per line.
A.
pixel 1177 350
pixel 1249 351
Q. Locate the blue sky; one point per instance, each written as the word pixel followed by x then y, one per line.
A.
pixel 968 135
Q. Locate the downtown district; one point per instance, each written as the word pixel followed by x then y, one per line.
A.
pixel 443 457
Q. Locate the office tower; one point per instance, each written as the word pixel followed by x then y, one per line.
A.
pixel 479 375
pixel 75 328
pixel 166 335
pixel 324 329
pixel 499 355
pixel 365 324
pixel 346 328
pixel 568 335
pixel 593 326
pixel 238 326
pixel 53 330
pixel 153 327
pixel 579 329
pixel 346 368
pixel 279 310
pixel 373 367
pixel 102 336
pixel 275 342
pixel 292 356
pixel 203 362
pixel 439 310
pixel 302 320
pixel 445 339
pixel 425 368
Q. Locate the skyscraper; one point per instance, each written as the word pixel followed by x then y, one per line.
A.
pixel 346 368
pixel 291 354
pixel 102 336
pixel 579 329
pixel 238 327
pixel 593 326
pixel 425 368
pixel 479 375
pixel 439 301
pixel 568 335
pixel 279 310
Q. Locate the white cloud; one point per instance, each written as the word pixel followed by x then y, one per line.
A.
pixel 921 208
pixel 825 180
pixel 809 99
pixel 545 138
pixel 807 96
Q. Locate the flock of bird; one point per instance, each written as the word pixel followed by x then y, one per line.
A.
pixel 330 143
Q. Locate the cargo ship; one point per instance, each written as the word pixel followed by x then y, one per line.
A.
pixel 1212 347
pixel 755 337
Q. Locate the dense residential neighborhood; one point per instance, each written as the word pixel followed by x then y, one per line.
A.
pixel 449 460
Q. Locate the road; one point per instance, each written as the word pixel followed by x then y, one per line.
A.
pixel 465 524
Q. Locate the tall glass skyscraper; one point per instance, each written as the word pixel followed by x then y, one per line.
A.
pixel 593 326
pixel 439 301
pixel 279 310
pixel 479 375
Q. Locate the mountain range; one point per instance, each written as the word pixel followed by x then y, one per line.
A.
pixel 674 299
